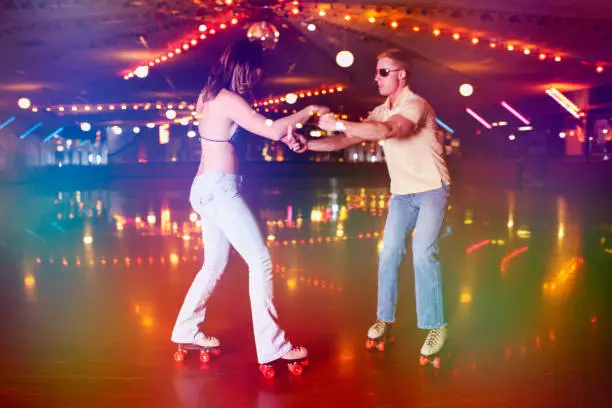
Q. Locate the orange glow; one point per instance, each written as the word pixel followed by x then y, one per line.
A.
pixel 465 297
pixel 437 32
pixel 147 321
pixel 29 281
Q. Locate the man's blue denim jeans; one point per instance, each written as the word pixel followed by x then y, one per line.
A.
pixel 424 212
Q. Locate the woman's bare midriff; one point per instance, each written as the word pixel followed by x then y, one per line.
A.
pixel 218 157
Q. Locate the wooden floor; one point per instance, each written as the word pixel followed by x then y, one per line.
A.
pixel 527 276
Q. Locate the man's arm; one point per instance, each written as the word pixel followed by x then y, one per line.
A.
pixel 395 126
pixel 402 124
pixel 332 143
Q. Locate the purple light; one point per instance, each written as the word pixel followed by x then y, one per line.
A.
pixel 515 113
pixel 478 118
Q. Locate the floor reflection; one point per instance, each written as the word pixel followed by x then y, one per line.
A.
pixel 98 276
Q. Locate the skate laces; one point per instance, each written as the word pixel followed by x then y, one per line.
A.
pixel 379 325
pixel 433 337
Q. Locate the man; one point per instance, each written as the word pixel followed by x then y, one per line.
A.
pixel 419 189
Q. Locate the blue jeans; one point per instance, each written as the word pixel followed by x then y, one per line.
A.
pixel 425 213
pixel 226 220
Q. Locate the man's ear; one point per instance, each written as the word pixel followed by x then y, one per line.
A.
pixel 402 74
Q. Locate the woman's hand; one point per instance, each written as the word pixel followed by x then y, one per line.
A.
pixel 295 141
pixel 328 123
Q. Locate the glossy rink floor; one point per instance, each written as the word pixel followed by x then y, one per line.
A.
pixel 91 282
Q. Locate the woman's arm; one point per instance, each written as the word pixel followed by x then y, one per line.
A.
pixel 239 111
pixel 332 143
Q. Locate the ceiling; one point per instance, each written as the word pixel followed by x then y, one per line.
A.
pixel 63 52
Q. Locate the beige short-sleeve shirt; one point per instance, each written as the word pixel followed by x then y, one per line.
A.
pixel 415 161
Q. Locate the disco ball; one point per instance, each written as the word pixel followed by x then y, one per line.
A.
pixel 264 32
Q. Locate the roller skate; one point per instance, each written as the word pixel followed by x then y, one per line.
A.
pixel 378 335
pixel 430 352
pixel 204 344
pixel 296 359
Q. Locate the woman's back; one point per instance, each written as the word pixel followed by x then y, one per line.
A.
pixel 216 129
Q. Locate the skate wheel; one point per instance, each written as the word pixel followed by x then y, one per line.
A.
pixel 436 362
pixel 267 371
pixel 370 344
pixel 304 363
pixel 179 356
pixel 296 369
pixel 381 346
pixel 204 357
pixel 216 351
pixel 423 360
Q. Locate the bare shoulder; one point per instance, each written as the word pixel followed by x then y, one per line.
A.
pixel 228 98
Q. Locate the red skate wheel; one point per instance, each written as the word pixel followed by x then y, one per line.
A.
pixel 267 371
pixel 369 344
pixel 381 346
pixel 216 351
pixel 296 369
pixel 204 357
pixel 179 356
pixel 436 362
pixel 304 363
pixel 423 360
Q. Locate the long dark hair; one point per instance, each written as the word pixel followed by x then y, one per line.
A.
pixel 237 70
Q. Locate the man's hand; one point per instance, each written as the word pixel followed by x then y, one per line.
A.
pixel 301 143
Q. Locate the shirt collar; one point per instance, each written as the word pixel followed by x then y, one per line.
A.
pixel 404 94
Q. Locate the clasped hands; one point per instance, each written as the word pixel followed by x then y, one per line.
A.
pixel 297 142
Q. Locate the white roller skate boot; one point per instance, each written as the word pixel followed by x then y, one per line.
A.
pixel 378 334
pixel 296 359
pixel 206 345
pixel 431 347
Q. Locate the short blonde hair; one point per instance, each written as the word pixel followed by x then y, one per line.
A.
pixel 401 57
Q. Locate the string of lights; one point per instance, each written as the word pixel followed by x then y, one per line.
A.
pixel 106 107
pixel 188 42
pixel 397 18
pixel 292 97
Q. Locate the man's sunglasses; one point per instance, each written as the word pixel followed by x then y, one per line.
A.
pixel 384 72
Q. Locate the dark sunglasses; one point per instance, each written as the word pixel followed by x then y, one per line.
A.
pixel 384 72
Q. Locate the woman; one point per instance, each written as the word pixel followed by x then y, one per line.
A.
pixel 225 217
